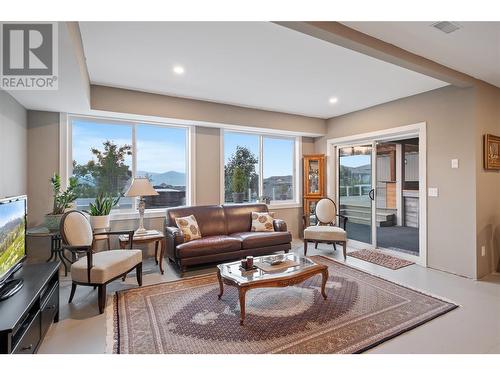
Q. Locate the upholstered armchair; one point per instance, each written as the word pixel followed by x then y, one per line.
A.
pixel 96 269
pixel 326 230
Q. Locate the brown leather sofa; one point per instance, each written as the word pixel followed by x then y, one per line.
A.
pixel 225 234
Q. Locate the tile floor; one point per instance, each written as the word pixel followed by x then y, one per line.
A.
pixel 472 328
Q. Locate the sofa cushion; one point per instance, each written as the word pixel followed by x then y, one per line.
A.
pixel 211 219
pixel 189 227
pixel 208 245
pixel 239 216
pixel 262 221
pixel 262 239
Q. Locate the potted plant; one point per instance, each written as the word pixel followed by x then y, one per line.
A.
pixel 99 210
pixel 62 200
pixel 238 184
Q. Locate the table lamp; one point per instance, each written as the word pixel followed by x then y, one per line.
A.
pixel 141 187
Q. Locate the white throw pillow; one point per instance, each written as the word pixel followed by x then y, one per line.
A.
pixel 189 227
pixel 262 221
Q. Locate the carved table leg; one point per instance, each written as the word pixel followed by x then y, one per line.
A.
pixel 156 252
pixel 242 292
pixel 162 254
pixel 221 284
pixel 324 273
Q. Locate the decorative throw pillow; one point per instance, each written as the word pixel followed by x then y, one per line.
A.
pixel 189 227
pixel 262 221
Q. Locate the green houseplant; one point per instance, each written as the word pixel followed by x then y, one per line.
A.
pixel 100 209
pixel 62 200
pixel 238 184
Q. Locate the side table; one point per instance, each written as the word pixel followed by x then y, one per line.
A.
pixel 56 250
pixel 157 239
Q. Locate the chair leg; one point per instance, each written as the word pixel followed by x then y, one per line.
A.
pixel 316 245
pixel 101 297
pixel 334 247
pixel 344 246
pixel 72 294
pixel 305 247
pixel 138 272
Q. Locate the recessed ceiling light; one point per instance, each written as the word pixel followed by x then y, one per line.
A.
pixel 178 69
pixel 333 100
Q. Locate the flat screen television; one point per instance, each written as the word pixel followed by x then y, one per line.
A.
pixel 12 239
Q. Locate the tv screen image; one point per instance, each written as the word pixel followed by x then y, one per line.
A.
pixel 12 233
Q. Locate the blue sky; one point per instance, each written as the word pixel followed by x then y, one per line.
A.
pixel 10 211
pixel 278 153
pixel 355 160
pixel 159 149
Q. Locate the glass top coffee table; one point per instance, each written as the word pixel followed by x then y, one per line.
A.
pixel 293 270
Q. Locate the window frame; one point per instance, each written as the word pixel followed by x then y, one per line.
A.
pixel 296 177
pixel 66 157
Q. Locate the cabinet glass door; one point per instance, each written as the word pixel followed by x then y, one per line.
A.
pixel 355 191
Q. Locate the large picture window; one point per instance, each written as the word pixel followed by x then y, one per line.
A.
pixel 107 154
pixel 258 167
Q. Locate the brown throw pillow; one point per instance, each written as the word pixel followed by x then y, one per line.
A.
pixel 262 221
pixel 189 227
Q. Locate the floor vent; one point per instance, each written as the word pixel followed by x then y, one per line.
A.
pixel 446 26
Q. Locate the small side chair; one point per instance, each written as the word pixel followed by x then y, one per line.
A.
pixel 326 230
pixel 100 268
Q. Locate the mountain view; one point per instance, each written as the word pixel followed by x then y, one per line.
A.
pixel 168 178
pixel 11 244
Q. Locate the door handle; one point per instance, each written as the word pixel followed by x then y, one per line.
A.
pixel 25 348
pixel 371 194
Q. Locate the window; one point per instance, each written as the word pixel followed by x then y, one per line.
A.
pixel 241 167
pixel 107 154
pixel 258 166
pixel 278 165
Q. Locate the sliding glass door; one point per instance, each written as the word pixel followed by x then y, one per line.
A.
pixel 356 191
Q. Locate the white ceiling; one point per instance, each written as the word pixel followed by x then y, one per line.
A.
pixel 253 64
pixel 474 49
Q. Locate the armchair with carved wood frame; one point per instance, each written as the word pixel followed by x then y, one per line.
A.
pixel 96 269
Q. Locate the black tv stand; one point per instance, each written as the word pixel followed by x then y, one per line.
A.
pixel 26 316
pixel 11 287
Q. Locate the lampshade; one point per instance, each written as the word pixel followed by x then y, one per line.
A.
pixel 141 187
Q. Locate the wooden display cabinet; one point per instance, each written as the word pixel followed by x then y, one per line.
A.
pixel 314 185
pixel 314 176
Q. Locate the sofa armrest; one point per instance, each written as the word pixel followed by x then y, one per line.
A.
pixel 279 225
pixel 173 237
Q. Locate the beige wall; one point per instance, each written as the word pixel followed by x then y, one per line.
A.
pixel 207 166
pixel 488 183
pixel 43 161
pixel 13 147
pixel 141 103
pixel 449 114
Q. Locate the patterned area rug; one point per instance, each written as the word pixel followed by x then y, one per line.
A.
pixel 381 259
pixel 185 316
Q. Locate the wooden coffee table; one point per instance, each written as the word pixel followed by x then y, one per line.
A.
pixel 231 274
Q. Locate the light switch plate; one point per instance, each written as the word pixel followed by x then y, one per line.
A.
pixel 454 163
pixel 433 192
